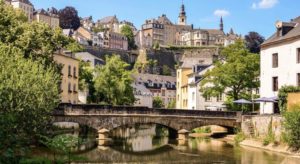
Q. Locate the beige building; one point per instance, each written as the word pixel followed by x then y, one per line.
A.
pixel 163 31
pixel 70 73
pixel 110 23
pixel 25 5
pixel 49 17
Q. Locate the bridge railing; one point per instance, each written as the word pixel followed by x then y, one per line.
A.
pixel 80 109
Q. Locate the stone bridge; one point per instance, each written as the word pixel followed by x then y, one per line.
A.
pixel 110 117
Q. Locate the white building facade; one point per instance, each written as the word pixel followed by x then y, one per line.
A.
pixel 196 99
pixel 280 62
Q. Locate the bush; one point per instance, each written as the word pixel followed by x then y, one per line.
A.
pixel 240 136
pixel 270 138
pixel 206 129
pixel 291 124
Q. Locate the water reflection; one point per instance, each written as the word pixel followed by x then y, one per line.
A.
pixel 140 138
pixel 150 144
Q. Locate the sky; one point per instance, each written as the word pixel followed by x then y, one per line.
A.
pixel 241 15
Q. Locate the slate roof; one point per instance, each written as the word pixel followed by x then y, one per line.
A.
pixel 107 19
pixel 41 11
pixel 291 34
pixel 214 31
pixel 164 20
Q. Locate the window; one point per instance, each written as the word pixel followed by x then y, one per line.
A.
pixel 163 93
pixel 298 79
pixel 74 88
pixel 69 88
pixel 207 98
pixel 74 72
pixel 298 55
pixel 220 97
pixel 275 83
pixel 275 60
pixel 69 71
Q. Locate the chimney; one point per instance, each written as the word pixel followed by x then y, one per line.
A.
pixel 284 27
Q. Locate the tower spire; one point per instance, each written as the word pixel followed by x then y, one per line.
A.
pixel 221 24
pixel 182 15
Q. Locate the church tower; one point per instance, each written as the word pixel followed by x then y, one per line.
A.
pixel 182 16
pixel 221 24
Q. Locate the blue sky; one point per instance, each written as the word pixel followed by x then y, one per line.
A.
pixel 242 15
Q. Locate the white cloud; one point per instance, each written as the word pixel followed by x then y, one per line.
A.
pixel 264 4
pixel 222 13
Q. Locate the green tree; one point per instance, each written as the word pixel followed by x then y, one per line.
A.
pixel 86 82
pixel 28 94
pixel 127 31
pixel 172 104
pixel 234 75
pixel 291 125
pixel 98 29
pixel 113 82
pixel 157 102
pixel 166 70
pixel 152 65
pixel 36 40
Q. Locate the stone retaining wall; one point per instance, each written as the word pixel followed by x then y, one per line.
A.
pixel 260 126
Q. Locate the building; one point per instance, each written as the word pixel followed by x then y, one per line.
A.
pixel 110 23
pixel 49 17
pixel 207 37
pixel 113 40
pixel 92 59
pixel 196 100
pixel 70 72
pixel 163 31
pixel 87 23
pixel 160 86
pixel 25 5
pixel 131 25
pixel 182 78
pixel 143 96
pixel 280 62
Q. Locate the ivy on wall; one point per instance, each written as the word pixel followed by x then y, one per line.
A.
pixel 283 94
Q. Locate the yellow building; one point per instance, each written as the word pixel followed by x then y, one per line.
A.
pixel 49 17
pixel 182 87
pixel 69 83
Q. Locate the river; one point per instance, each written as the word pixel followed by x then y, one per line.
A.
pixel 151 144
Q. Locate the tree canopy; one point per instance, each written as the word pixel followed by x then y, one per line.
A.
pixel 28 94
pixel 36 40
pixel 158 102
pixel 127 31
pixel 68 18
pixel 113 82
pixel 235 75
pixel 253 41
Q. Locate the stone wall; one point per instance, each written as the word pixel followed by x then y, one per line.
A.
pixel 258 126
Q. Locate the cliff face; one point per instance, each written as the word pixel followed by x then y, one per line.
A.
pixel 172 57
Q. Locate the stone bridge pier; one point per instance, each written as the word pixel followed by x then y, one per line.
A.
pixel 106 118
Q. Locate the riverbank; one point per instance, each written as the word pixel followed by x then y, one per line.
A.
pixel 279 148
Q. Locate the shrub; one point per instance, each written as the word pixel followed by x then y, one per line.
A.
pixel 206 129
pixel 291 124
pixel 270 138
pixel 240 136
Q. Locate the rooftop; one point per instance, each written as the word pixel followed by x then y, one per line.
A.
pixel 284 31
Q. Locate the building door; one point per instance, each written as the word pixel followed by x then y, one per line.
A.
pixel 276 108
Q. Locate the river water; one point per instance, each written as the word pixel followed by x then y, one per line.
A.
pixel 151 144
